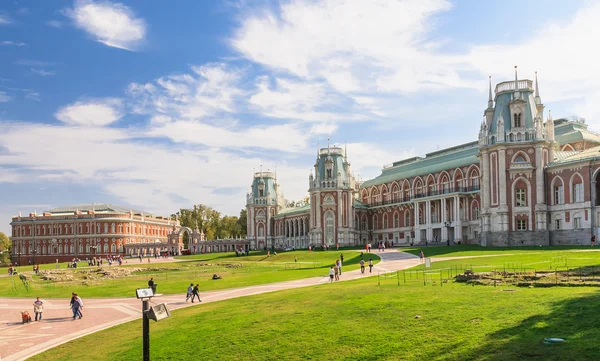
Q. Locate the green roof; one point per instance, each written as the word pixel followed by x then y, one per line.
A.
pixel 566 131
pixel 575 156
pixel 293 211
pixel 97 208
pixel 445 159
pixel 360 205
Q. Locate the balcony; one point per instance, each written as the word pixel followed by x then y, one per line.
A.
pixel 526 85
pixel 424 195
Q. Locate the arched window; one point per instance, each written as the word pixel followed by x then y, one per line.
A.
pixel 375 221
pixel 120 247
pixel 105 227
pixel 105 247
pixel 517 120
pixel 329 228
pixel 395 194
pixel 364 223
pixel 521 197
pixel 558 193
pixel 72 249
pixel 113 248
pixel 407 219
pixel 577 189
pixel 385 221
pixel 396 220
pixel 60 249
pixel 120 228
pixel 113 229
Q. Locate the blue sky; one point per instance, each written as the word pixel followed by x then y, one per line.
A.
pixel 162 106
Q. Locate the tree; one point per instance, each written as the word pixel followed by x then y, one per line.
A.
pixel 5 248
pixel 211 222
pixel 243 222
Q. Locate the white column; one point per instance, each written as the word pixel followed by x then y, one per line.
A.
pixel 428 220
pixel 417 225
pixel 444 228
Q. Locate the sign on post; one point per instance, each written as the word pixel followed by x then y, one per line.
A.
pixel 158 312
pixel 427 262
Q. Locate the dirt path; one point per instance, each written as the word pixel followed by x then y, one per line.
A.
pixel 19 342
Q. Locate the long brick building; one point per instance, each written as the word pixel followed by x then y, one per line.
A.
pixel 87 231
pixel 524 181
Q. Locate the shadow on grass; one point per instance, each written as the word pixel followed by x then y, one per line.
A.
pixel 432 251
pixel 576 320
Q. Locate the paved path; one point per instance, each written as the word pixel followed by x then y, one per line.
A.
pixel 19 342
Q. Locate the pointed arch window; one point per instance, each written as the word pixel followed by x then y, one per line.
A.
pixel 329 228
pixel 396 220
pixel 385 221
pixel 517 120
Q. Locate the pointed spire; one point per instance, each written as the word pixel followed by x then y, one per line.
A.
pixel 537 89
pixel 490 100
pixel 516 77
pixel 328 145
pixel 346 151
pixel 318 146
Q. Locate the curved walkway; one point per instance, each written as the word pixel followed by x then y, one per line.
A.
pixel 19 342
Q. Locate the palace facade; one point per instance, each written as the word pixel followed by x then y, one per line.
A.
pixel 524 181
pixel 105 230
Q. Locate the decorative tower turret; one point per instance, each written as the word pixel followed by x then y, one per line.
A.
pixel 331 199
pixel 263 202
pixel 512 158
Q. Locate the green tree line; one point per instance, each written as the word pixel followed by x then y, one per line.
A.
pixel 5 248
pixel 212 223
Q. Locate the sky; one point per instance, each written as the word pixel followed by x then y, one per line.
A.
pixel 161 105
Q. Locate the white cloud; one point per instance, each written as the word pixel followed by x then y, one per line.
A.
pixel 561 53
pixel 158 177
pixel 54 23
pixel 4 97
pixel 11 43
pixel 91 112
pixel 211 89
pixel 112 24
pixel 379 47
pixel 33 96
pixel 5 20
pixel 43 72
pixel 286 137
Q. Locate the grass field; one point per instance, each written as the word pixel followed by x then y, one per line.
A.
pixel 533 258
pixel 359 320
pixel 176 276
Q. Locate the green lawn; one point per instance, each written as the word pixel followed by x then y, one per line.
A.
pixel 532 258
pixel 359 320
pixel 176 276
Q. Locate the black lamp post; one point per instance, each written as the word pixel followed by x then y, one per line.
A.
pixel 447 224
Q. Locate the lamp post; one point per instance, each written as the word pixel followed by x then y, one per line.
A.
pixel 447 224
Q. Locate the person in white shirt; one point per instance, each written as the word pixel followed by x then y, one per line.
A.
pixel 331 274
pixel 190 290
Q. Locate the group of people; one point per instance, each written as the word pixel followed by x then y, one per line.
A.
pixel 362 264
pixel 12 270
pixel 336 270
pixel 193 292
pixel 76 306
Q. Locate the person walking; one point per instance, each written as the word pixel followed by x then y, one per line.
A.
pixel 38 308
pixel 336 270
pixel 593 240
pixel 195 293
pixel 340 266
pixel 421 256
pixel 190 290
pixel 331 274
pixel 362 265
pixel 342 257
pixel 370 265
pixel 152 285
pixel 77 305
